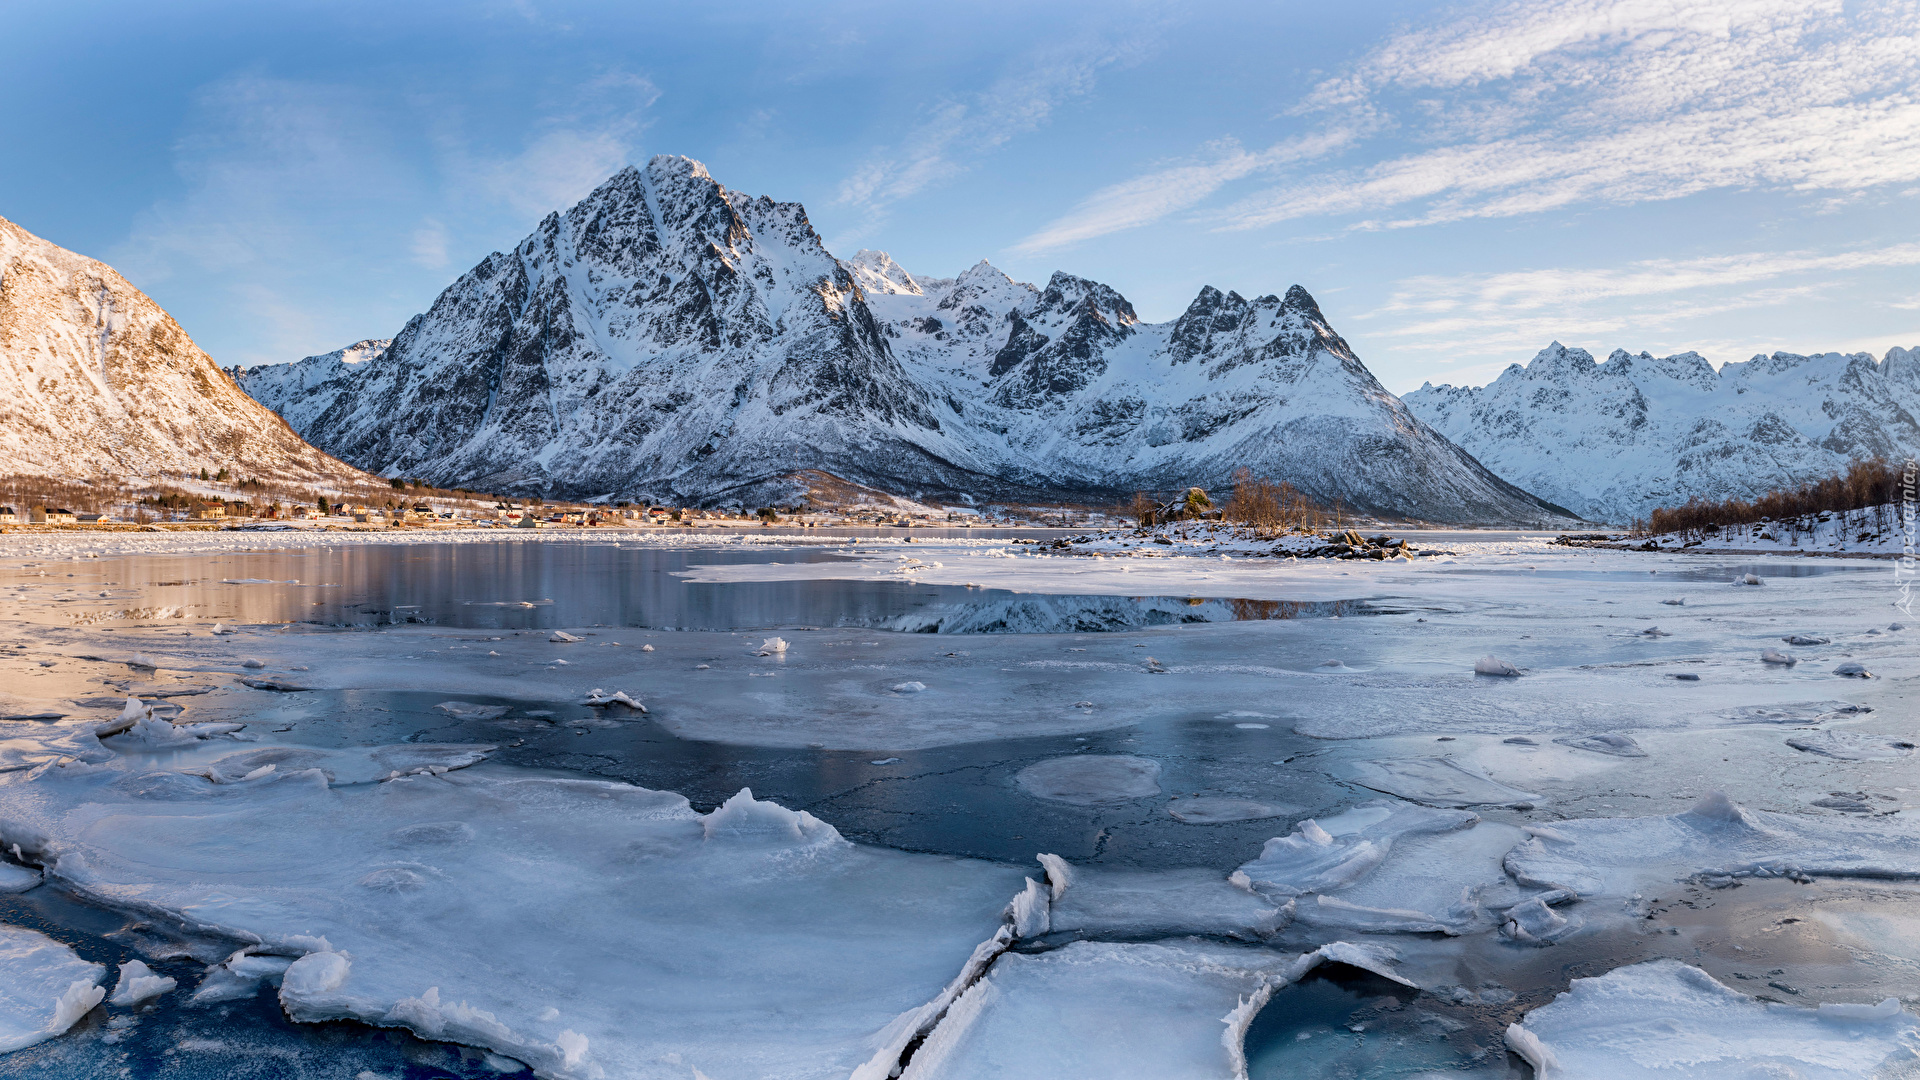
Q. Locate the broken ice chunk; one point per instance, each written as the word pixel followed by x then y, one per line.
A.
pixel 45 988
pixel 1532 922
pixel 773 646
pixel 1678 601
pixel 1616 745
pixel 1665 1019
pixel 1091 779
pixel 1748 579
pixel 600 699
pixel 240 976
pixel 15 878
pixel 646 648
pixel 562 636
pixel 253 662
pixel 1774 656
pixel 1853 670
pixel 1155 666
pixel 914 687
pixel 1314 859
pixel 138 983
pixel 1493 665
pixel 1806 639
pixel 1853 745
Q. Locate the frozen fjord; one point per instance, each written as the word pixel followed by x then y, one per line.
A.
pixel 1443 899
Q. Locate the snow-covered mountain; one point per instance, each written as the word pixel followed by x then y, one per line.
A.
pixel 669 339
pixel 304 389
pixel 1614 439
pixel 98 383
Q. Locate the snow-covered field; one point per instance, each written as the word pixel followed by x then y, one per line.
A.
pixel 1674 839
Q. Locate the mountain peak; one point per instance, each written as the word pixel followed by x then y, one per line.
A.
pixel 878 273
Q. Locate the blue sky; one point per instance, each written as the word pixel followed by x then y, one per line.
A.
pixel 1457 184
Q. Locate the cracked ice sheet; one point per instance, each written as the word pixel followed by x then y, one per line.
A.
pixel 1664 1019
pixel 1174 1010
pixel 587 928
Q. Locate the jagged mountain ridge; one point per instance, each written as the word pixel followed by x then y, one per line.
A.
pixel 98 383
pixel 667 338
pixel 1613 439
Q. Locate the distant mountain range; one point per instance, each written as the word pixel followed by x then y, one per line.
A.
pixel 98 383
pixel 670 340
pixel 1612 440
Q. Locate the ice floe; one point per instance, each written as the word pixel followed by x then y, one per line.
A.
pixel 1664 1019
pixel 1438 781
pixel 1161 1011
pixel 1614 745
pixel 467 710
pixel 1100 900
pixel 1715 842
pixel 138 983
pixel 45 988
pixel 1091 779
pixel 589 929
pixel 1209 810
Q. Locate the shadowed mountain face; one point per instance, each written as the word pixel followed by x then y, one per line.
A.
pixel 1614 439
pixel 97 382
pixel 668 339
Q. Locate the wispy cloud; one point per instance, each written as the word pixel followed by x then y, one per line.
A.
pixel 1525 106
pixel 1543 106
pixel 956 130
pixel 1146 199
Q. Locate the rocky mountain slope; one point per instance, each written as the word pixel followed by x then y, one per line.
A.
pixel 669 339
pixel 1614 439
pixel 98 383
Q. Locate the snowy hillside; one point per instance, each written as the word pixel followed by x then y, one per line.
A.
pixel 97 382
pixel 669 339
pixel 1614 439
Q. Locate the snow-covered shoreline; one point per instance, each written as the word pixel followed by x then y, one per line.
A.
pixel 1888 531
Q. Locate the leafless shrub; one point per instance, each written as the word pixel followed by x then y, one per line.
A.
pixel 1871 483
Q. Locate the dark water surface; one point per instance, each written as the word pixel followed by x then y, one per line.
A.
pixel 514 585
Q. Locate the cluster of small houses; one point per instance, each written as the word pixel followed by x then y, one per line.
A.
pixel 504 514
pixel 49 515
